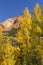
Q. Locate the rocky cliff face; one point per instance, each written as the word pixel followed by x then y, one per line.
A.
pixel 11 23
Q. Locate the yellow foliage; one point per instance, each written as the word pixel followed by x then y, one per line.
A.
pixel 37 12
pixel 38 29
pixel 6 51
pixel 1 29
pixel 26 19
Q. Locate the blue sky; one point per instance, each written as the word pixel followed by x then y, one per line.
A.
pixel 11 8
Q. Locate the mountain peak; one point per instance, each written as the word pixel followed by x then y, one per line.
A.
pixel 11 23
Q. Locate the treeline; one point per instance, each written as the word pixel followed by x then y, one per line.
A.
pixel 26 48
